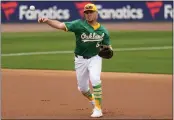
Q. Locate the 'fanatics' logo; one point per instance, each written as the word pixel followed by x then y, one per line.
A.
pixel 154 7
pixel 9 8
pixel 80 7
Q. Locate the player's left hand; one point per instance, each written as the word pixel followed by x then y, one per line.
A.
pixel 105 52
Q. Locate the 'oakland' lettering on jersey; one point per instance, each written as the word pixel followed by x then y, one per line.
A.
pixel 92 37
pixel 88 40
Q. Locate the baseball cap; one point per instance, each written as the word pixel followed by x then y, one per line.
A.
pixel 90 6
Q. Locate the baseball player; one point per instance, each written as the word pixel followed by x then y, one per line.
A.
pixel 92 44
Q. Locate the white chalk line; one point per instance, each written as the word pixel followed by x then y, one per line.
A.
pixel 69 52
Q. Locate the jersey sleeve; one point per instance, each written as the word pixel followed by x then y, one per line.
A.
pixel 106 39
pixel 71 26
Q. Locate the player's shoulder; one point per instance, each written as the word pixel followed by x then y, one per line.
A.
pixel 78 21
pixel 102 27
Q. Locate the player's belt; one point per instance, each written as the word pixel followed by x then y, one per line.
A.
pixel 85 57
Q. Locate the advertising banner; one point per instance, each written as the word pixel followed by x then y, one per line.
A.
pixel 109 11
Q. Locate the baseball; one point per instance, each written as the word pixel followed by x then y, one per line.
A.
pixel 32 7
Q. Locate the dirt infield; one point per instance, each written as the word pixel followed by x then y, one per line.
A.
pixel 53 94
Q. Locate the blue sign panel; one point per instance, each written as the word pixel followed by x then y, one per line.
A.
pixel 110 11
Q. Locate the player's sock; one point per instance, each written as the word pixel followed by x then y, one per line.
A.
pixel 89 95
pixel 97 91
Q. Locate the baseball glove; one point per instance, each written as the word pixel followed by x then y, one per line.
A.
pixel 105 52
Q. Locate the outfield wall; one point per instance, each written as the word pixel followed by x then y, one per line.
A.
pixel 111 11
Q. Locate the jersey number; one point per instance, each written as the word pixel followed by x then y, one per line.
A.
pixel 98 44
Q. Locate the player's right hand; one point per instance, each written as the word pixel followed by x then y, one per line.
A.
pixel 42 20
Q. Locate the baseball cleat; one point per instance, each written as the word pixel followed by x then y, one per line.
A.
pixel 97 113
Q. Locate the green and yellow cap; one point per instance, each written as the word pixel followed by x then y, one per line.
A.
pixel 90 6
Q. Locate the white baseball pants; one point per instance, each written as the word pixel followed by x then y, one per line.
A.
pixel 88 69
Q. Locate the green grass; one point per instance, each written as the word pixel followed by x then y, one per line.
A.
pixel 141 61
pixel 31 42
pixel 152 61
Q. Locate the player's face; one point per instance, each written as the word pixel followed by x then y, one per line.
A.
pixel 90 15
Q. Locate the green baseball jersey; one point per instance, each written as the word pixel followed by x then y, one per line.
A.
pixel 88 40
